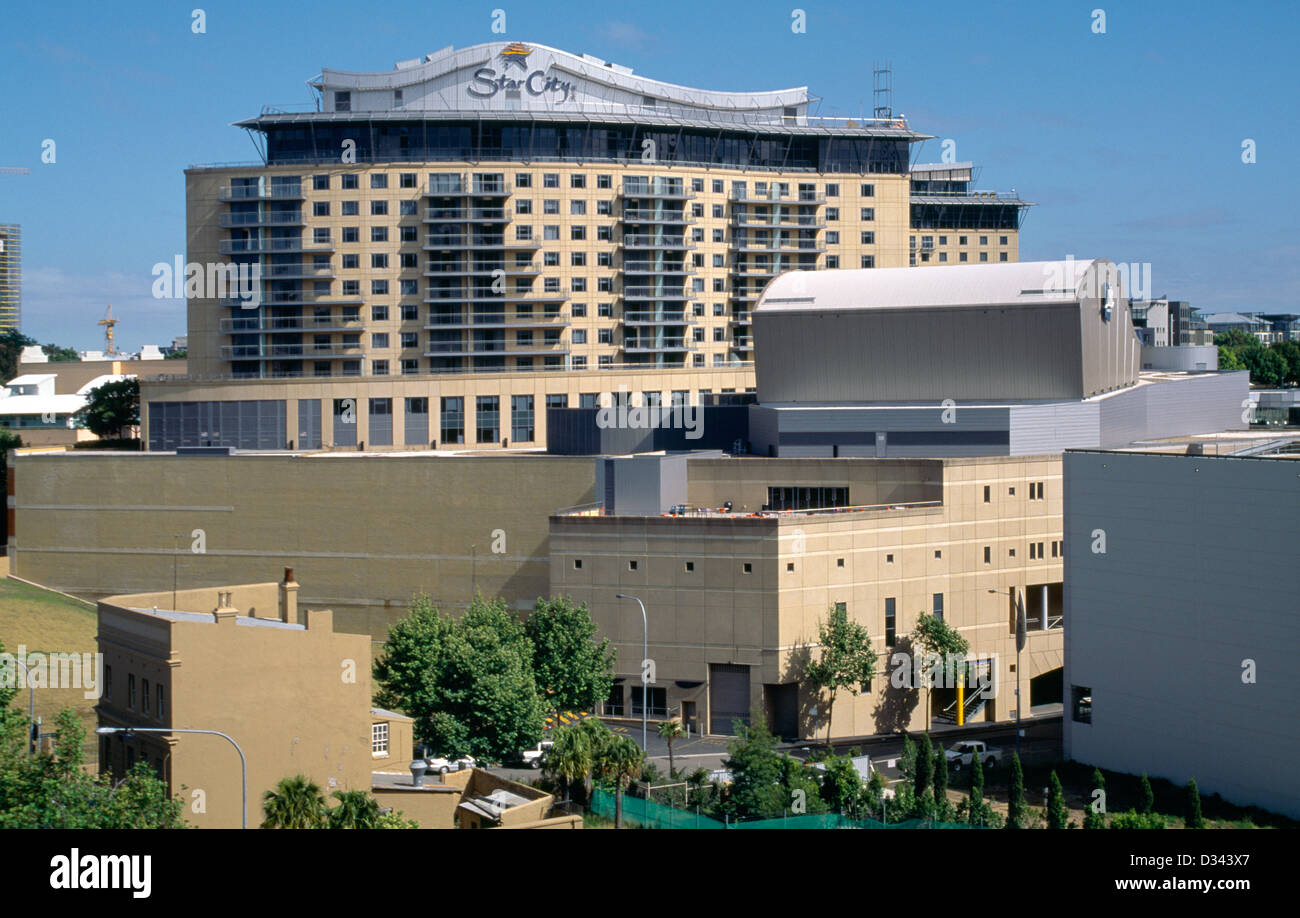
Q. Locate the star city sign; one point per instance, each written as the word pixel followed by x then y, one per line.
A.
pixel 487 82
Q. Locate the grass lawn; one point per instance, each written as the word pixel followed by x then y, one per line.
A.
pixel 49 623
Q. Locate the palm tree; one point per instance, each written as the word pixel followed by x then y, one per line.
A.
pixel 356 810
pixel 571 756
pixel 296 803
pixel 619 760
pixel 669 730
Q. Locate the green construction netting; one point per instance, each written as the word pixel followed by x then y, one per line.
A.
pixel 650 815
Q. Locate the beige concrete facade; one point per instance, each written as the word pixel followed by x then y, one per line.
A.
pixel 364 532
pixel 750 589
pixel 295 697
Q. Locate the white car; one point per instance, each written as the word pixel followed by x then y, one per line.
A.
pixel 961 754
pixel 533 757
pixel 441 765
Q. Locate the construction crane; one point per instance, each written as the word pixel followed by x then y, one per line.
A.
pixel 108 322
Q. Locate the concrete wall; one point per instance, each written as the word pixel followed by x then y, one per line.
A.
pixel 364 533
pixel 1196 587
pixel 1188 359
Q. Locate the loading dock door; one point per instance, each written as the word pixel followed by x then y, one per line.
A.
pixel 728 697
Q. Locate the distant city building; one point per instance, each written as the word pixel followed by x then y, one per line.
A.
pixel 1222 322
pixel 11 276
pixel 1180 590
pixel 1284 326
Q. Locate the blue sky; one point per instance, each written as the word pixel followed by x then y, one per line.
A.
pixel 1130 142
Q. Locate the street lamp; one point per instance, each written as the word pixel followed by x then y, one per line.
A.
pixel 243 762
pixel 645 655
pixel 1020 645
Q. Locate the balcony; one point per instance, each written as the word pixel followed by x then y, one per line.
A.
pixel 640 318
pixel 651 241
pixel 657 346
pixel 263 246
pixel 281 192
pixel 445 242
pixel 460 186
pixel 778 245
pixel 656 188
pixel 643 215
pixel 778 220
pixel 655 293
pixel 651 267
pixel 296 271
pixel 774 195
pixel 287 351
pixel 432 269
pixel 494 320
pixel 278 218
pixel 270 324
pixel 466 215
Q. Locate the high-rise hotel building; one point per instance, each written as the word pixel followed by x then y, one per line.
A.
pixel 11 276
pixel 483 233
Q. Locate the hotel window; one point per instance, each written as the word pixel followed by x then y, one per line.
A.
pixel 832 190
pixel 987 496
pixel 605 336
pixel 717 186
pixel 604 259
pixel 551 259
pixel 379 314
pixel 832 261
pixel 523 180
pixel 579 363
pixel 348 182
pixel 162 703
pixel 604 181
pixel 320 234
pixel 1033 551
pixel 697 185
pixel 698 334
pixel 351 288
pixel 868 213
pixel 130 691
pixel 551 206
pixel 320 183
pixel 868 261
pixel 579 336
pixel 342 101
pixel 604 208
pixel 521 418
pixel 487 418
pixel 577 180
pixel 410 367
pixel 1002 256
pixel 747 568
pixel 961 240
pixel 524 233
pixel 379 287
pixel 868 237
pixel 832 237
pixel 961 256
pixel 350 208
pixel 407 260
pixel 378 234
pixel 988 553
pixel 379 739
pixel 453 420
pixel 832 213
pixel 719 235
pixel 407 208
pixel 578 310
pixel 984 240
pixel 891 622
pixel 605 361
pixel 868 191
pixel 578 285
pixel 578 259
pixel 605 285
pixel 523 207
pixel 557 401
pixel 406 180
pixel 943 256
pixel 350 261
pixel 550 180
pixel 320 208
pixel 577 233
pixel 409 233
pixel 379 368
pixel 525 338
pixel 378 180
pixel 604 234
pixel 717 211
pixel 938 606
pixel 551 233
pixel 378 208
pixel 379 339
pixel 144 696
pixel 697 210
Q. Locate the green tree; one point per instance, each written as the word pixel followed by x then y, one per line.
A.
pixel 801 792
pixel 355 810
pixel 670 731
pixel 1015 794
pixel 1228 360
pixel 178 354
pixel 924 765
pixel 1058 817
pixel 942 805
pixel 619 760
pixel 54 791
pixel 468 684
pixel 572 755
pixel 841 787
pixel 907 760
pixel 112 408
pixel 57 354
pixel 847 661
pixel 1135 820
pixel 1234 338
pixel 1146 798
pixel 295 803
pixel 573 670
pixel 935 638
pixel 873 795
pixel 12 342
pixel 756 773
pixel 1192 818
pixel 1095 818
pixel 976 789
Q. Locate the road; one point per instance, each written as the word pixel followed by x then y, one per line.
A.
pixel 1041 740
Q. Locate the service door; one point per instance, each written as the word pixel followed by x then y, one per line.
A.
pixel 728 697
